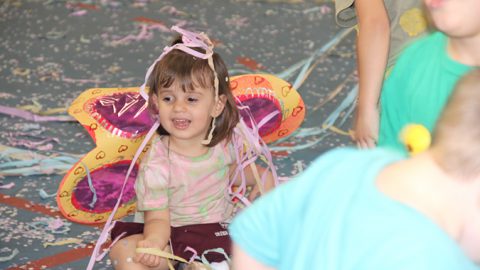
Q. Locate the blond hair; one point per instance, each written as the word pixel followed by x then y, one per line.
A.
pixel 456 140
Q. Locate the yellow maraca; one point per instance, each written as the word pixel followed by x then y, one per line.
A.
pixel 416 138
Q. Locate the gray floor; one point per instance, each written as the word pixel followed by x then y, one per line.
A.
pixel 51 51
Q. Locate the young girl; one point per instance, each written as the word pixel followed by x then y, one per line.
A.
pixel 184 177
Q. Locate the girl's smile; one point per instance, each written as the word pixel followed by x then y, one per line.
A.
pixel 181 123
pixel 434 3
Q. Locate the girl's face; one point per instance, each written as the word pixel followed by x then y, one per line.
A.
pixel 456 18
pixel 187 115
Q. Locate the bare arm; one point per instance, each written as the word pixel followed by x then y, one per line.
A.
pixel 241 260
pixel 250 176
pixel 372 55
pixel 156 234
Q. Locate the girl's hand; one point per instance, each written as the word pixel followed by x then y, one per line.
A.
pixel 366 129
pixel 148 259
pixel 156 233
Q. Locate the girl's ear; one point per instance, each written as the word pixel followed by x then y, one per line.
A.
pixel 153 103
pixel 154 98
pixel 219 106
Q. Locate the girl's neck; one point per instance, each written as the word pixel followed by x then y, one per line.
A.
pixel 465 50
pixel 421 184
pixel 186 148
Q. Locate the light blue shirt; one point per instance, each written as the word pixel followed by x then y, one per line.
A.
pixel 332 217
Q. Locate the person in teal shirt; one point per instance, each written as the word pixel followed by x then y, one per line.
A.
pixel 385 28
pixel 374 209
pixel 425 74
pixel 418 88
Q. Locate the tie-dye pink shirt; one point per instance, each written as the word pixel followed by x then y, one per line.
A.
pixel 193 189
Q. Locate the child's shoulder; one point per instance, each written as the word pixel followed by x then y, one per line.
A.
pixel 355 157
pixel 158 140
pixel 230 150
pixel 226 147
pixel 157 146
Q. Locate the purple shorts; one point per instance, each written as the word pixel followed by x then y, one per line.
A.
pixel 200 237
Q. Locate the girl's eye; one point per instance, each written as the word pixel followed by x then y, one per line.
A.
pixel 167 99
pixel 192 99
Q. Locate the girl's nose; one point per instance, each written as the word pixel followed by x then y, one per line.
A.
pixel 179 106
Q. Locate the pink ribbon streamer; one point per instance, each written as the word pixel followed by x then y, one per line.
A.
pixel 190 40
pixel 7 186
pixel 195 253
pixel 34 117
pixel 96 256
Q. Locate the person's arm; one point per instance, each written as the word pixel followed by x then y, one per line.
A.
pixel 156 234
pixel 251 174
pixel 243 261
pixel 372 54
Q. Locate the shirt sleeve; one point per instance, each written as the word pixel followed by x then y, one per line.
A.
pixel 271 223
pixel 152 184
pixel 258 229
pixel 345 15
pixel 229 150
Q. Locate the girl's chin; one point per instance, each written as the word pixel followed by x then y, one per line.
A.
pixel 433 4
